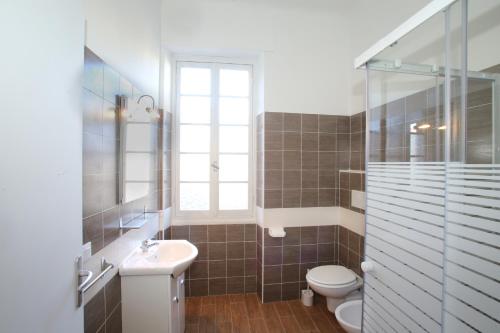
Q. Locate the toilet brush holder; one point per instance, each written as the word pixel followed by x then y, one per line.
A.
pixel 307 297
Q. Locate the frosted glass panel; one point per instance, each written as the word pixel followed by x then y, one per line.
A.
pixel 194 196
pixel 233 196
pixel 195 110
pixel 233 168
pixel 233 139
pixel 234 83
pixel 195 81
pixel 233 111
pixel 194 167
pixel 194 139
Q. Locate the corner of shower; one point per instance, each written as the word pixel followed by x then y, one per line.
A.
pixel 433 185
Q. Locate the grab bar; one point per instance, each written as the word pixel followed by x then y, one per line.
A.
pixel 88 282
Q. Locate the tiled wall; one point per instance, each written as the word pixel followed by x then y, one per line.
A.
pixel 350 181
pixel 286 260
pixel 391 137
pixel 351 249
pixel 226 262
pixel 103 313
pixel 259 184
pixel 301 155
pixel 101 146
pixel 101 211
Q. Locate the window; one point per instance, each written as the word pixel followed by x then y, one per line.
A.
pixel 214 146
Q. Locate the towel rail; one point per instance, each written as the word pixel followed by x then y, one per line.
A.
pixel 86 284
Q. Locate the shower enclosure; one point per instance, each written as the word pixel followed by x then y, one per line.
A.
pixel 433 172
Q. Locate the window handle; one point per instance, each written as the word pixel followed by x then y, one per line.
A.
pixel 215 166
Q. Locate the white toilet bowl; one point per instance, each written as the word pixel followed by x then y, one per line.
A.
pixel 334 282
pixel 349 315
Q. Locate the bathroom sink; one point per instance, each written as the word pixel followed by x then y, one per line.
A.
pixel 169 257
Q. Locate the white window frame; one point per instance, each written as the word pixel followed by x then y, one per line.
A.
pixel 213 214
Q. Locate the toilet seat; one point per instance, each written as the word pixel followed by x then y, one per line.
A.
pixel 331 275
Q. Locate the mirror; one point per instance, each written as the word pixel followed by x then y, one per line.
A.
pixel 137 154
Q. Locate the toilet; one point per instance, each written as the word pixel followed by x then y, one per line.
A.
pixel 335 282
pixel 349 315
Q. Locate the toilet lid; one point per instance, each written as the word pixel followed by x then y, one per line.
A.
pixel 331 274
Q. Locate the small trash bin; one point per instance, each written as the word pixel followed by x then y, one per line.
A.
pixel 307 297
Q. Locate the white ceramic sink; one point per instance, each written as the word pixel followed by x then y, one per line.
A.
pixel 168 257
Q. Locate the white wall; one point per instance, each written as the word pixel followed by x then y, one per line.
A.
pixel 126 35
pixel 41 164
pixel 370 21
pixel 302 47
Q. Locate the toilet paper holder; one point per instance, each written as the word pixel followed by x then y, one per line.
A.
pixel 277 232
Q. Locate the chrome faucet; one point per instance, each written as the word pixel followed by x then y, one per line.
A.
pixel 146 244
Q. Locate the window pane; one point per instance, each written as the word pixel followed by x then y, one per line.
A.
pixel 195 138
pixel 233 111
pixel 233 167
pixel 234 82
pixel 194 196
pixel 195 81
pixel 233 139
pixel 233 196
pixel 195 109
pixel 194 167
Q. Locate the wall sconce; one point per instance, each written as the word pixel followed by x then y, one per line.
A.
pixel 151 110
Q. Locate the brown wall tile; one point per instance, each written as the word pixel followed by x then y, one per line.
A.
pixel 272 274
pixel 217 269
pixel 94 313
pixel 291 254
pixel 198 233
pixel 217 286
pixel 292 122
pixel 236 267
pixel 273 121
pixel 236 250
pixel 217 233
pixel 272 292
pixel 235 232
pixel 216 251
pixel 250 232
pixel 236 285
pixel 310 123
pixel 327 124
pixel 309 235
pixel 199 287
pixel 291 273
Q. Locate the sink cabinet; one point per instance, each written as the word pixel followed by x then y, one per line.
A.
pixel 153 303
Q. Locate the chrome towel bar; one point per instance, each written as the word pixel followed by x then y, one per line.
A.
pixel 87 283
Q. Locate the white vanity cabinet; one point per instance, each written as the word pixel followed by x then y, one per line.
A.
pixel 153 303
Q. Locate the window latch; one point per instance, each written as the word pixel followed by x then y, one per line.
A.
pixel 215 166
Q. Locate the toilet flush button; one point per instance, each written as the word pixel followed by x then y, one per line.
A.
pixel 367 266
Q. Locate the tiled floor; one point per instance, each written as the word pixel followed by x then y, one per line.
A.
pixel 245 313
